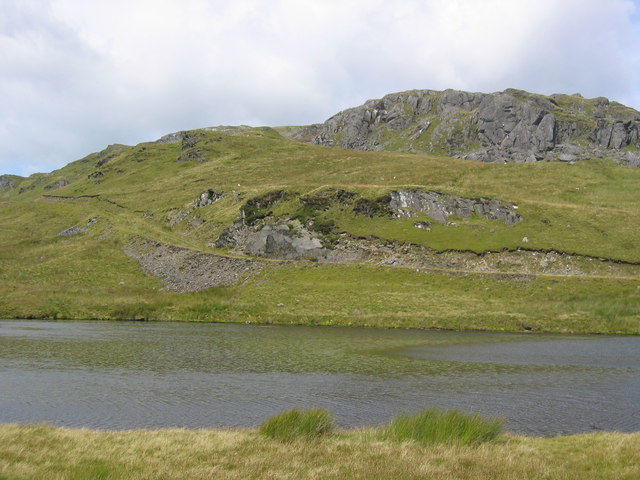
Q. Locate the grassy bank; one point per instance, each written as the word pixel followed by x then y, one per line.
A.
pixel 345 295
pixel 37 452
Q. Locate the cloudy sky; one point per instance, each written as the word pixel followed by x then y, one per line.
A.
pixel 77 75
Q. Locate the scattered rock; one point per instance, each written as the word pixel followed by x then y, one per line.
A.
pixel 392 262
pixel 423 225
pixel 176 215
pixel 208 198
pixel 77 229
pixel 184 270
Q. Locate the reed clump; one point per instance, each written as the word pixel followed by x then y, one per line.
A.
pixel 437 426
pixel 296 424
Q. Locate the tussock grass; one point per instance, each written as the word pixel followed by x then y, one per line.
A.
pixel 294 424
pixel 437 426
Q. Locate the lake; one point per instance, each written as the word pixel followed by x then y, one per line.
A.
pixel 126 375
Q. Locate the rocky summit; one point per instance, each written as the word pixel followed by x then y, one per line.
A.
pixel 509 126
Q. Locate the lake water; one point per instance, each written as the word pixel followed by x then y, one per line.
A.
pixel 120 375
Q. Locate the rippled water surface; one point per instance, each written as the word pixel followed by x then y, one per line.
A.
pixel 115 375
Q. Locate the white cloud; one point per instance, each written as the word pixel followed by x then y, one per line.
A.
pixel 76 76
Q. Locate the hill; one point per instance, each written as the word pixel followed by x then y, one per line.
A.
pixel 242 224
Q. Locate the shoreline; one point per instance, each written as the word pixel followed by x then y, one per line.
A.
pixel 328 325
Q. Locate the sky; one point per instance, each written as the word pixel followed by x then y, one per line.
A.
pixel 78 75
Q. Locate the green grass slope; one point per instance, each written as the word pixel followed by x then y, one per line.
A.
pixel 589 209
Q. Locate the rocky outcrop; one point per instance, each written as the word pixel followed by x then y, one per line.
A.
pixel 108 154
pixel 440 207
pixel 197 143
pixel 76 229
pixel 192 146
pixel 57 184
pixel 283 239
pixel 184 270
pixel 207 198
pixel 309 233
pixel 183 135
pixel 6 183
pixel 509 126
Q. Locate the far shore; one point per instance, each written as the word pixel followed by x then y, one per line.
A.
pixel 335 324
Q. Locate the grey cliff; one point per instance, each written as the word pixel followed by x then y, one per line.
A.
pixel 509 126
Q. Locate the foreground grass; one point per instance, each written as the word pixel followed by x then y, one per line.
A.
pixel 37 452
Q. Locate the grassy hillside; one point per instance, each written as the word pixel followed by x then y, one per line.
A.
pixel 590 209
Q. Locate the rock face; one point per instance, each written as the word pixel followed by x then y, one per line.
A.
pixel 440 207
pixel 6 183
pixel 284 239
pixel 509 126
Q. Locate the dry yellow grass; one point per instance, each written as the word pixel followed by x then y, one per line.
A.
pixel 43 452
